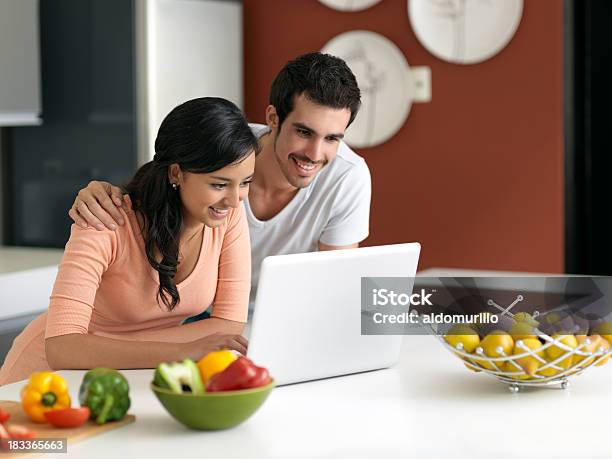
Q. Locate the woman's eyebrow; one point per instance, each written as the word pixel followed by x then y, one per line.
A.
pixel 225 179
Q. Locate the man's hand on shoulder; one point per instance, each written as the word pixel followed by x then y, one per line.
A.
pixel 98 205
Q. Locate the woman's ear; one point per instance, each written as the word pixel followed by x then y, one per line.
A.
pixel 175 175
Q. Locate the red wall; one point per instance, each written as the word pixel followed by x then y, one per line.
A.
pixel 476 175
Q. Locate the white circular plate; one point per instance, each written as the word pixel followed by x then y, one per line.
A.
pixel 349 5
pixel 465 31
pixel 386 84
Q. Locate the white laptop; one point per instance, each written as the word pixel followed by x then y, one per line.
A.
pixel 307 318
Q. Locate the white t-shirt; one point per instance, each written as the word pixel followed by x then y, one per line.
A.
pixel 334 209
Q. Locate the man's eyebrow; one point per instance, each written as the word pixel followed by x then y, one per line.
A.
pixel 309 129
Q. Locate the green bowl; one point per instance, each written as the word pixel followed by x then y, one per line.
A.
pixel 213 410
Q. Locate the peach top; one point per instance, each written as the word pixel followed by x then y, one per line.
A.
pixel 106 286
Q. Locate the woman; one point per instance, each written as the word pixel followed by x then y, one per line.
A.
pixel 120 296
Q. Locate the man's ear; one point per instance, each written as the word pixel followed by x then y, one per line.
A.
pixel 271 117
pixel 175 175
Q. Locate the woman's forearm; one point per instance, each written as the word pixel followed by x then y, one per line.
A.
pixel 84 351
pixel 189 332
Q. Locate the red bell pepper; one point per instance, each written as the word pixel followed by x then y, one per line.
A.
pixel 240 374
pixel 261 378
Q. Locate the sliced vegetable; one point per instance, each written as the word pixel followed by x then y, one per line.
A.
pixel 4 435
pixel 45 391
pixel 4 416
pixel 68 417
pixel 106 393
pixel 179 377
pixel 17 431
pixel 241 374
pixel 13 432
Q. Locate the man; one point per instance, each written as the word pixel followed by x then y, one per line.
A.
pixel 310 191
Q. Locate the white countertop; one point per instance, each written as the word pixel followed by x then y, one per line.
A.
pixel 428 406
pixel 13 259
pixel 27 276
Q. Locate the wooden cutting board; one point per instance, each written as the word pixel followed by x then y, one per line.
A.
pixel 89 429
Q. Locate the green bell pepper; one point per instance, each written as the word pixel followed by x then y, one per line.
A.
pixel 179 377
pixel 106 392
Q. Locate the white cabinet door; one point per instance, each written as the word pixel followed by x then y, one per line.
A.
pixel 187 49
pixel 19 63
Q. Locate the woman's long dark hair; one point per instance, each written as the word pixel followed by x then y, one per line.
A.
pixel 201 135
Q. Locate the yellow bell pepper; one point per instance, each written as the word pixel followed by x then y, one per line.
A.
pixel 213 363
pixel 45 391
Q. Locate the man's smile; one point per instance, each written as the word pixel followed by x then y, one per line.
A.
pixel 304 165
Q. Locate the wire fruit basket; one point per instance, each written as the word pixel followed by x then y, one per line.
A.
pixel 526 356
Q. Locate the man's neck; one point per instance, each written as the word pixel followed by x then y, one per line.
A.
pixel 270 191
pixel 268 178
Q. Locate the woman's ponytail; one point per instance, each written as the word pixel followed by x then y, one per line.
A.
pixel 152 194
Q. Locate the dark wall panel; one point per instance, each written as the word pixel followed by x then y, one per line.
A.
pixel 89 130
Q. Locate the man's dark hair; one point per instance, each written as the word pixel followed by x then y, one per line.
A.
pixel 322 78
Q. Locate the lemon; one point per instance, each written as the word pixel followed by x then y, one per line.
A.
pixel 604 329
pixel 552 318
pixel 502 322
pixel 525 317
pixel 462 337
pixel 214 362
pixel 554 322
pixel 553 352
pixel 548 372
pixel 522 330
pixel 581 326
pixel 594 343
pixel 605 344
pixel 498 343
pixel 483 319
pixel 529 363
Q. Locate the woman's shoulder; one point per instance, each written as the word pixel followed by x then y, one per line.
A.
pixel 107 242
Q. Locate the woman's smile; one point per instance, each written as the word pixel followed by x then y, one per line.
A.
pixel 217 213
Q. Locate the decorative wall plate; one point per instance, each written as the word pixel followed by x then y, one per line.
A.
pixel 386 81
pixel 465 31
pixel 349 5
